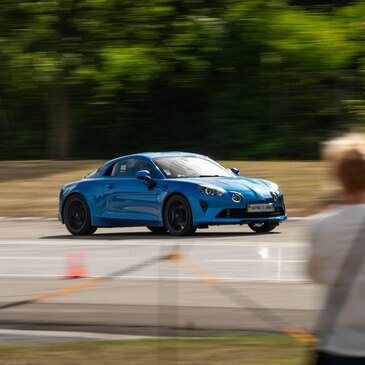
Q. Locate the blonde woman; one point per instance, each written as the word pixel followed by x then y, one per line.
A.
pixel 337 256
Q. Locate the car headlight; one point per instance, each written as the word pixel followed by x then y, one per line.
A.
pixel 211 190
pixel 275 192
pixel 275 188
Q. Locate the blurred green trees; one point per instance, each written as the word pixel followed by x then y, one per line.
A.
pixel 229 78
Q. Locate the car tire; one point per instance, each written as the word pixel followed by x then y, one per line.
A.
pixel 263 227
pixel 77 217
pixel 178 217
pixel 157 229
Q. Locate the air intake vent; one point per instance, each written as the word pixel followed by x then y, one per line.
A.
pixel 242 213
pixel 204 205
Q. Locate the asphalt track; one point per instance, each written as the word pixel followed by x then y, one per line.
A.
pixel 164 298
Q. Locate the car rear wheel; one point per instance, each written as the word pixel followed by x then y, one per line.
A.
pixel 263 227
pixel 178 217
pixel 77 217
pixel 157 229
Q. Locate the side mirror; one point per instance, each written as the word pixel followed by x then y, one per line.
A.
pixel 146 177
pixel 235 171
pixel 142 175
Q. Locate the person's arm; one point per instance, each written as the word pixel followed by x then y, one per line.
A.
pixel 319 265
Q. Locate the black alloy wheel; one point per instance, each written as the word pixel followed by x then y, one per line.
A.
pixel 178 217
pixel 77 217
pixel 157 229
pixel 263 227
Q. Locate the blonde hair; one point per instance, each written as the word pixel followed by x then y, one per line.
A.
pixel 346 154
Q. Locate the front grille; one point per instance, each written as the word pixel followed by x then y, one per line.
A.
pixel 242 213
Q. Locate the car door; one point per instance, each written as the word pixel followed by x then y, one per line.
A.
pixel 129 199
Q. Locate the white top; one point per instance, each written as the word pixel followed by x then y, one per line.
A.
pixel 332 235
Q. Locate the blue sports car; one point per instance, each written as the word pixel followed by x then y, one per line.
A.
pixel 176 192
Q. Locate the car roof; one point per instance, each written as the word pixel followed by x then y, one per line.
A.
pixel 167 154
pixel 151 155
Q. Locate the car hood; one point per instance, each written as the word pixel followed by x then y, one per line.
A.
pixel 239 184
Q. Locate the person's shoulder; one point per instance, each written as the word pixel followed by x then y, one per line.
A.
pixel 326 218
pixel 323 216
pixel 349 214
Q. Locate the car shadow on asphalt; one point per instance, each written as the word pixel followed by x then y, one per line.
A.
pixel 153 236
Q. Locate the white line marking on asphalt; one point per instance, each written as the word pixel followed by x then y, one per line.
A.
pixel 167 278
pixel 56 219
pixel 70 334
pixel 260 261
pixel 160 243
pixel 63 258
pixel 10 219
pixel 136 260
pixel 29 258
pixel 279 263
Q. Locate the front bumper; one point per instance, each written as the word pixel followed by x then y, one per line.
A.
pixel 220 211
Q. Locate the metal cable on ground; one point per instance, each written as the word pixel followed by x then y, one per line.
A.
pixel 86 284
pixel 242 300
pixel 202 274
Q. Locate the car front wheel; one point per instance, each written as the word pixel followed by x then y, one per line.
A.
pixel 263 227
pixel 77 217
pixel 178 217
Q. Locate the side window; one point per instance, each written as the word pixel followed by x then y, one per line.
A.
pixel 119 169
pixel 128 168
pixel 109 171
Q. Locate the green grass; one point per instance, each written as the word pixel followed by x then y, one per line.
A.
pixel 255 350
pixel 31 188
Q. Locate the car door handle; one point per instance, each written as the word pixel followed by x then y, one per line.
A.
pixel 110 186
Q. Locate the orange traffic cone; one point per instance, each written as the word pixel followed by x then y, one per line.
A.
pixel 75 266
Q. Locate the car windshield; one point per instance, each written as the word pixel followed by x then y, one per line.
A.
pixel 92 173
pixel 188 166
